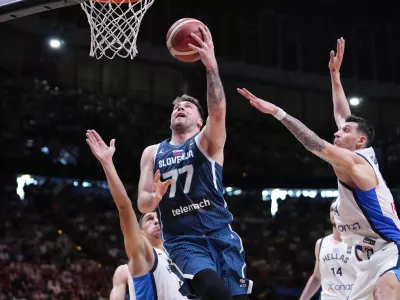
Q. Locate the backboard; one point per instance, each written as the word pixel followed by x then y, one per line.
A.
pixel 13 9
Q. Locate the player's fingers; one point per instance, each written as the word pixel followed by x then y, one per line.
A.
pixel 157 176
pixel 241 92
pixel 342 45
pixel 90 136
pixel 90 144
pixel 97 136
pixel 209 33
pixel 112 143
pixel 167 183
pixel 206 35
pixel 249 93
pixel 194 47
pixel 245 93
pixel 198 39
pixel 332 55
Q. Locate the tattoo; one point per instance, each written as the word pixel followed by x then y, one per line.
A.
pixel 215 90
pixel 308 138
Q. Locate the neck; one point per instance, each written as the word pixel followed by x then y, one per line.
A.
pixel 159 246
pixel 178 138
pixel 336 235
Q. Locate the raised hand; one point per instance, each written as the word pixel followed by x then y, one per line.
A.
pixel 206 49
pixel 159 187
pixel 336 60
pixel 261 105
pixel 100 149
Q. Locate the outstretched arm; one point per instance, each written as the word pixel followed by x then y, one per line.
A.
pixel 137 247
pixel 214 131
pixel 314 282
pixel 340 158
pixel 341 108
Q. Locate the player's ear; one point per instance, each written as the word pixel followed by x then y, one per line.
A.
pixel 362 141
pixel 200 123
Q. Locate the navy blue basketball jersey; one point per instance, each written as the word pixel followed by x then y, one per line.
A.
pixel 194 203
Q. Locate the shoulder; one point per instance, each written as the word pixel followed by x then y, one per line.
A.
pixel 151 148
pixel 150 151
pixel 318 245
pixel 121 273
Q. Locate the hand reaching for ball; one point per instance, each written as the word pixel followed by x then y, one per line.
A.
pixel 206 49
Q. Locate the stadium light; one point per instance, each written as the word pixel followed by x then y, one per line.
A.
pixel 55 43
pixel 354 101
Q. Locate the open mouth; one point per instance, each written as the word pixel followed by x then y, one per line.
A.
pixel 180 115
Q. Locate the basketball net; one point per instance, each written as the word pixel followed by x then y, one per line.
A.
pixel 114 26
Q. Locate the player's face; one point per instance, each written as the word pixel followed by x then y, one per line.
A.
pixel 349 137
pixel 151 227
pixel 184 116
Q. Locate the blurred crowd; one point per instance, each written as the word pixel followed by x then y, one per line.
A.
pixel 39 261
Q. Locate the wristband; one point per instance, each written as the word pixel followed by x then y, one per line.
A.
pixel 280 114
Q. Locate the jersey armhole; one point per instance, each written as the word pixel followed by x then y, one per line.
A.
pixel 366 160
pixel 155 261
pixel 155 154
pixel 320 246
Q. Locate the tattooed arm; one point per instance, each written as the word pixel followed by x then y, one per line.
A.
pixel 213 135
pixel 216 104
pixel 338 157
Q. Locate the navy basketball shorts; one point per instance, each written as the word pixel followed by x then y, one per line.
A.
pixel 220 250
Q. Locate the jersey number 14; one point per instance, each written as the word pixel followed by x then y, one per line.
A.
pixel 174 174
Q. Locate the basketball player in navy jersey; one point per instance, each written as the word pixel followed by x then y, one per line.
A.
pixel 150 276
pixel 335 266
pixel 182 178
pixel 366 216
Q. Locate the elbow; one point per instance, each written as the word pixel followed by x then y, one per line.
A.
pixel 317 276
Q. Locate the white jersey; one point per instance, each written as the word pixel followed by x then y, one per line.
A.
pixel 160 283
pixel 337 266
pixel 367 218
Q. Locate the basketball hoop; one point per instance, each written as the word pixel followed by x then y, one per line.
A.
pixel 114 26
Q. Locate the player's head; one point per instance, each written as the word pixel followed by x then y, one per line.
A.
pixel 150 227
pixel 332 213
pixel 356 133
pixel 186 114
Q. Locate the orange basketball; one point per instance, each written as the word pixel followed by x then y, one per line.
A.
pixel 178 38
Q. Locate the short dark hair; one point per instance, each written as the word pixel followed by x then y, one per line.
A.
pixel 364 126
pixel 141 220
pixel 192 100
